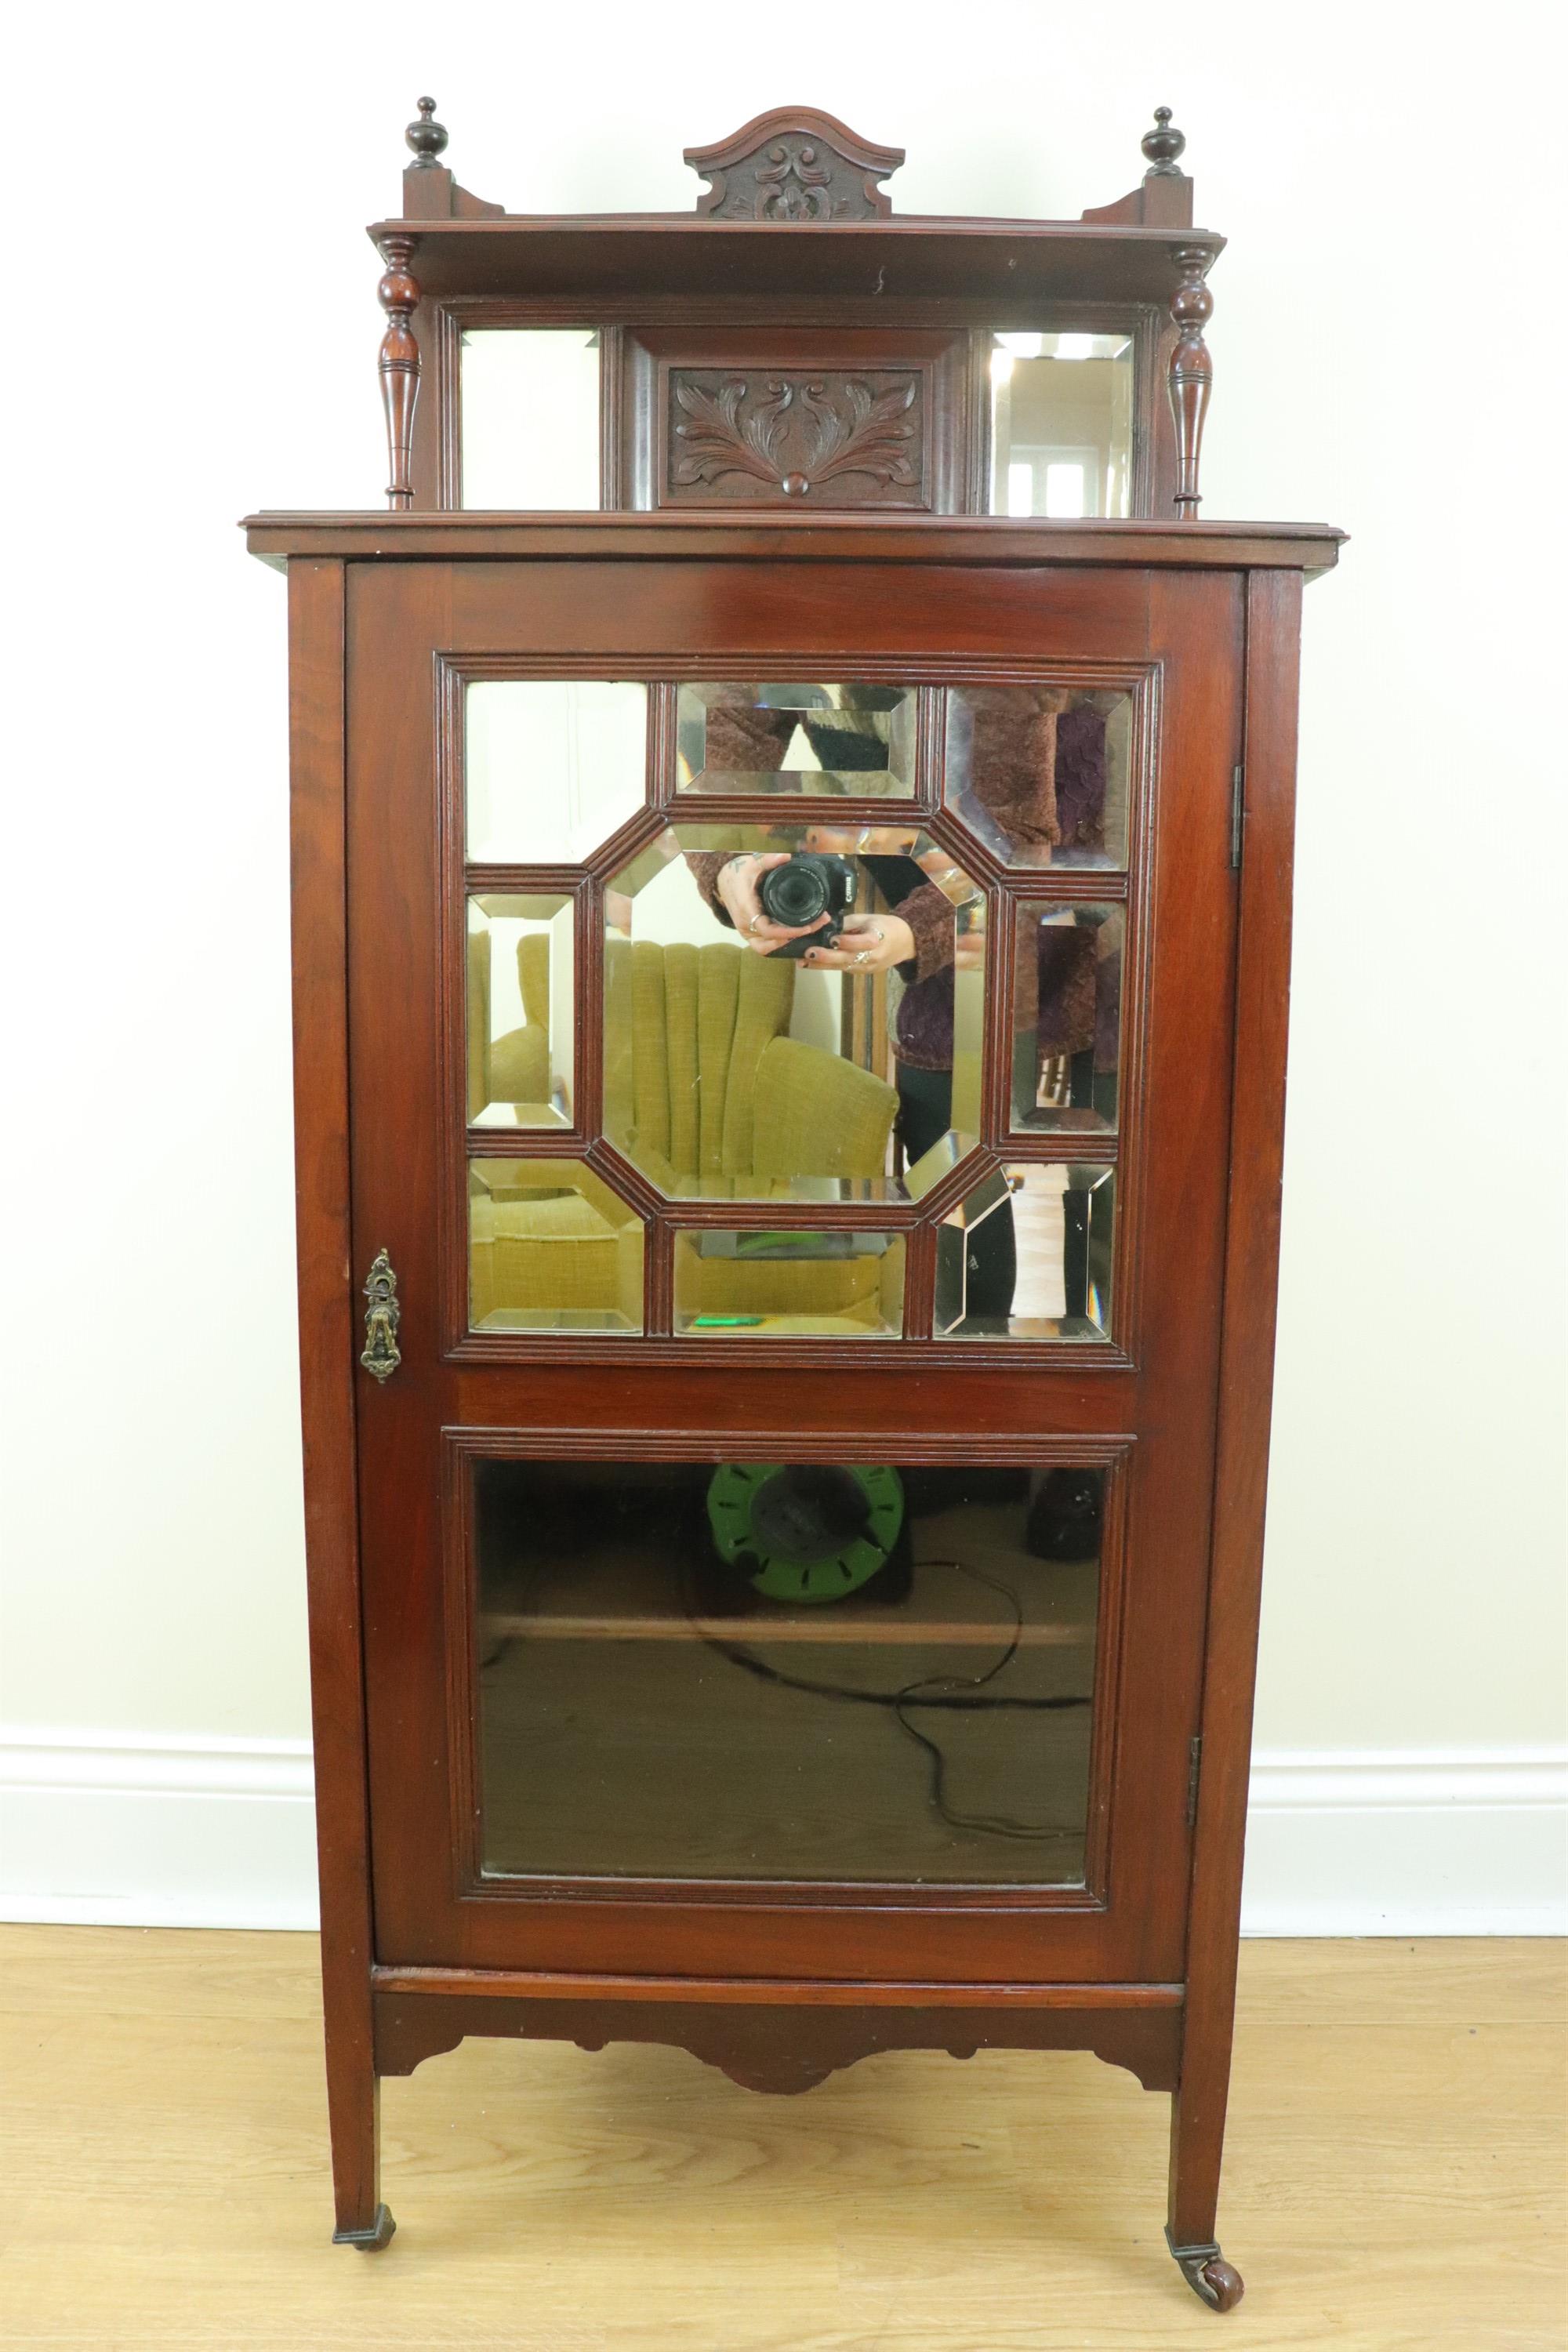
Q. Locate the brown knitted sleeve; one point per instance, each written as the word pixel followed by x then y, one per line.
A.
pixel 928 914
pixel 1013 760
pixel 1065 968
pixel 744 741
pixel 705 865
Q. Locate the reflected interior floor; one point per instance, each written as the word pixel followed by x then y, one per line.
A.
pixel 622 1733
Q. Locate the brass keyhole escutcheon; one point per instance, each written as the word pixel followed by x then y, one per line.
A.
pixel 381 1355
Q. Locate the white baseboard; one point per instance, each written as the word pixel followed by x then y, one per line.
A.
pixel 120 1831
pixel 219 1833
pixel 1407 1842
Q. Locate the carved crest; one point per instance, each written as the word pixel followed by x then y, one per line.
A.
pixel 795 165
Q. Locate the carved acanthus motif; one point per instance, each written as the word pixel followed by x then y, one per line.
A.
pixel 796 435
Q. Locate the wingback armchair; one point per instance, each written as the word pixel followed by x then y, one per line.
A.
pixel 707 1094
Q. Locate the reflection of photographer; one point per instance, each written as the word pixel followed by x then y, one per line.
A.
pixel 808 895
pixel 1037 769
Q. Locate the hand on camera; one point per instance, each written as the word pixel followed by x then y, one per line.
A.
pixel 737 887
pixel 867 943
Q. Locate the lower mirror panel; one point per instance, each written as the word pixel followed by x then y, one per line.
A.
pixel 828 1672
pixel 767 1285
pixel 1027 1255
pixel 551 1248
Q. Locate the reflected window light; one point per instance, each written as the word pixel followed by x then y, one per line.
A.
pixel 1064 490
pixel 1020 489
pixel 1027 347
pixel 1075 347
pixel 1001 366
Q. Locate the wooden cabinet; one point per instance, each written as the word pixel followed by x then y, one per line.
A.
pixel 790 968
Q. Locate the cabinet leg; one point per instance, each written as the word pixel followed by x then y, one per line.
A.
pixel 354 2105
pixel 1197 2144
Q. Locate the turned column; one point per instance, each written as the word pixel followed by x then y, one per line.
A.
pixel 398 295
pixel 1192 306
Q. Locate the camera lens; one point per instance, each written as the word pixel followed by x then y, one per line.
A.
pixel 796 893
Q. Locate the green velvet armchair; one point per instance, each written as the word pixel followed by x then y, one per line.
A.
pixel 705 1093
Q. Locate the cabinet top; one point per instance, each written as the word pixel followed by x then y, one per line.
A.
pixel 794 207
pixel 1307 547
pixel 790 343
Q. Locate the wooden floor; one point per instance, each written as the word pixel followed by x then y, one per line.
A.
pixel 1396 2175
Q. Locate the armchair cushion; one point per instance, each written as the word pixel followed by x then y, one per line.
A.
pixel 709 1096
pixel 816 1111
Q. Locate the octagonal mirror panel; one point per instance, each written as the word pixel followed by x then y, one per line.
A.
pixel 530 417
pixel 822 740
pixel 520 1010
pixel 552 766
pixel 1061 424
pixel 551 1247
pixel 1027 1255
pixel 758 1055
pixel 799 1283
pixel 1041 774
pixel 1066 1015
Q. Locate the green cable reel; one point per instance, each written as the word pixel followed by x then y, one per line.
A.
pixel 811 1532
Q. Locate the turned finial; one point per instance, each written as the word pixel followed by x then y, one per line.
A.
pixel 426 137
pixel 1162 145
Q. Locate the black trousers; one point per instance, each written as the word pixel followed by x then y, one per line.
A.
pixel 925 1113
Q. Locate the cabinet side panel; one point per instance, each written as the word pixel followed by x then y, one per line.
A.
pixel 1247 1374
pixel 327 1353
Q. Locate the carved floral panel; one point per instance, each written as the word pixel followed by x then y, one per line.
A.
pixel 817 437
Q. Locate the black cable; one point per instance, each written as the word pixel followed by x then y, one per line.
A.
pixel 956 1691
pixel 939 1689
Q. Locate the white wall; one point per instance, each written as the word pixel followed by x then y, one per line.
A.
pixel 194 301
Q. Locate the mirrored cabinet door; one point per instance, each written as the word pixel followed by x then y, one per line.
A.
pixel 825 1051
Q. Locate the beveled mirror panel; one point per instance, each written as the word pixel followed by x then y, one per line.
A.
pixel 853 740
pixel 551 1247
pixel 821 1672
pixel 520 1010
pixel 1061 424
pixel 1066 1015
pixel 1027 1255
pixel 530 418
pixel 789 1004
pixel 794 1284
pixel 1041 774
pixel 552 766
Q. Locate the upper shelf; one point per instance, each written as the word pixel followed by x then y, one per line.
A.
pixel 1307 547
pixel 603 257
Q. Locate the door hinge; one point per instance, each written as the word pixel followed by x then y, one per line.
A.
pixel 1237 813
pixel 1195 1765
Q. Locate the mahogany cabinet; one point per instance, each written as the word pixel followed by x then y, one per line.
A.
pixel 791 953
